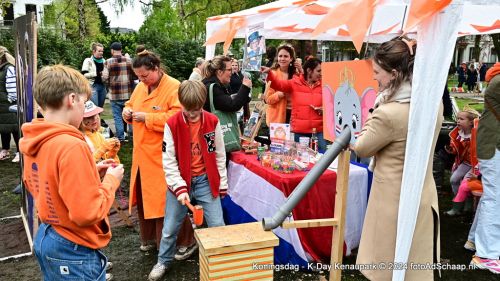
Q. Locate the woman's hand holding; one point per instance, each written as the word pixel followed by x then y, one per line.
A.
pixel 127 114
pixel 139 116
pixel 247 82
pixel 298 65
pixel 265 69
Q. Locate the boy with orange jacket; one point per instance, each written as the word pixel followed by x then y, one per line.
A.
pixel 72 203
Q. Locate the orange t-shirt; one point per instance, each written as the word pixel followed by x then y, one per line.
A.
pixel 197 165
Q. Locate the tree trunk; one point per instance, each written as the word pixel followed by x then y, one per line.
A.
pixel 496 42
pixel 81 19
pixel 476 51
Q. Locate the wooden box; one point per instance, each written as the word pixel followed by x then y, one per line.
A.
pixel 236 252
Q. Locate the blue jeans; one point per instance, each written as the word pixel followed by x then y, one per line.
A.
pixel 98 94
pixel 485 230
pixel 117 108
pixel 61 259
pixel 175 213
pixel 321 140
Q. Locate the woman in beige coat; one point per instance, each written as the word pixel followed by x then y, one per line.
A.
pixel 384 137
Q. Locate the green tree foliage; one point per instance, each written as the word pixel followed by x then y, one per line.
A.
pixel 187 18
pixel 62 15
pixel 163 22
pixel 104 22
pixel 178 57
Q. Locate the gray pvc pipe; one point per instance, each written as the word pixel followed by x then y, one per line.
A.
pixel 303 187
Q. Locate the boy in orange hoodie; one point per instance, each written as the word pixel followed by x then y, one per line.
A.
pixel 72 203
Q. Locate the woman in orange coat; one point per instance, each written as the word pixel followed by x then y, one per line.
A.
pixel 153 101
pixel 279 107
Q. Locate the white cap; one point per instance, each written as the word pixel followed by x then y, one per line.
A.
pixel 91 109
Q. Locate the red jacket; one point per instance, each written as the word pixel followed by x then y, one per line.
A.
pixel 464 151
pixel 177 153
pixel 304 117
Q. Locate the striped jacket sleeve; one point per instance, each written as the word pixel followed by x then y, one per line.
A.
pixel 10 84
pixel 170 165
pixel 221 158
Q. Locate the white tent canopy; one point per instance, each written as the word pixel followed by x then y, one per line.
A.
pixel 436 36
pixel 293 19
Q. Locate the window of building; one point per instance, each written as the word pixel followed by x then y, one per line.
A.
pixel 8 18
pixel 30 8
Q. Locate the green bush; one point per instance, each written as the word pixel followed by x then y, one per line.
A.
pixel 7 39
pixel 177 56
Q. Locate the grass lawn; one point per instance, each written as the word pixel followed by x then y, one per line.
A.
pixel 474 103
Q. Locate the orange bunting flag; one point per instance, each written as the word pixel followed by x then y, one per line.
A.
pixel 422 9
pixel 356 14
pixel 226 33
pixel 480 28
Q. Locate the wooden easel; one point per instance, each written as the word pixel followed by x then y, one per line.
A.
pixel 338 221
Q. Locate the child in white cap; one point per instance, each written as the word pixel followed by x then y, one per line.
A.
pixel 101 147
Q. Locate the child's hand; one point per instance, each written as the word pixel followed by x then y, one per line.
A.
pixel 183 197
pixel 116 171
pixel 109 144
pixel 103 166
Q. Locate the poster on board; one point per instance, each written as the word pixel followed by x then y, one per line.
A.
pixel 255 47
pixel 349 92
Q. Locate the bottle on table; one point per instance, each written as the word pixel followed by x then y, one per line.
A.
pixel 314 141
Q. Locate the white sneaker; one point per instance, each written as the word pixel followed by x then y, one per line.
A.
pixel 185 252
pixel 157 272
pixel 109 276
pixel 16 159
pixel 109 266
pixel 146 248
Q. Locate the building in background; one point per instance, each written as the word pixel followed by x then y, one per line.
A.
pixel 464 50
pixel 22 7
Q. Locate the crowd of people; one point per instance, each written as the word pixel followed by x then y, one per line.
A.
pixel 473 75
pixel 179 153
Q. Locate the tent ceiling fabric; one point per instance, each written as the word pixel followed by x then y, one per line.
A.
pixel 293 19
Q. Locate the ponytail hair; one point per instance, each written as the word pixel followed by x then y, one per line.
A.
pixel 398 54
pixel 210 67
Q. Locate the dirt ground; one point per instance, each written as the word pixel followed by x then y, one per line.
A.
pixel 132 264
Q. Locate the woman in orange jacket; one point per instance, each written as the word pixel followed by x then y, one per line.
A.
pixel 152 103
pixel 279 107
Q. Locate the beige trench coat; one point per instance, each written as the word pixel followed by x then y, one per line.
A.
pixel 384 136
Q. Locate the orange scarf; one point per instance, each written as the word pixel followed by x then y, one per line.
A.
pixel 493 71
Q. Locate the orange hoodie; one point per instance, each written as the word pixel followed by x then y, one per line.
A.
pixel 60 173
